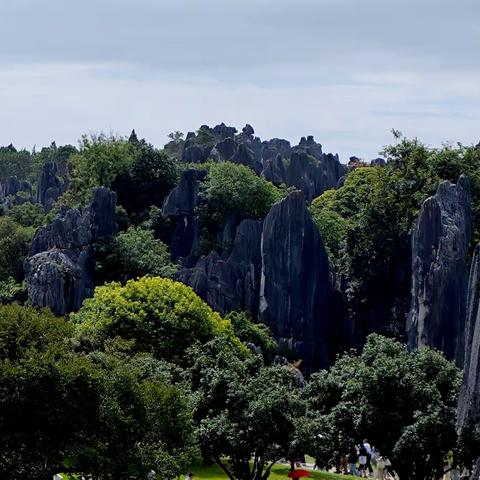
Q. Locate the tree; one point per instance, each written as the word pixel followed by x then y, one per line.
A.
pixel 104 413
pixel 151 177
pixel 28 214
pixel 58 155
pixel 232 189
pixel 257 334
pixel 132 254
pixel 14 162
pixel 14 246
pixel 100 161
pixel 403 402
pixel 159 315
pixel 246 414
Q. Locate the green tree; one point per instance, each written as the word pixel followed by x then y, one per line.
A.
pixel 58 155
pixel 100 161
pixel 257 334
pixel 151 176
pixel 104 413
pixel 246 414
pixel 14 245
pixel 403 402
pixel 14 162
pixel 161 316
pixel 28 214
pixel 132 254
pixel 232 189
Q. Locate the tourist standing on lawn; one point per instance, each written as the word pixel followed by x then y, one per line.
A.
pixel 352 461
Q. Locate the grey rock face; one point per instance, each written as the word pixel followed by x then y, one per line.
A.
pixel 310 174
pixel 439 271
pixel 469 399
pixel 59 269
pixel 232 283
pixel 179 207
pixel 274 147
pixel 13 186
pixel 278 271
pixel 49 186
pixel 378 162
pixel 295 288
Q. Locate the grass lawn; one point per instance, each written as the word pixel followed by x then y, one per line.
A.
pixel 279 472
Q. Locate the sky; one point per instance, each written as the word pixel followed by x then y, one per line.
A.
pixel 345 71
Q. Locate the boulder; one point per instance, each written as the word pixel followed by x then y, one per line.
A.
pixel 274 147
pixel 13 185
pixel 244 155
pixel 439 271
pixel 60 267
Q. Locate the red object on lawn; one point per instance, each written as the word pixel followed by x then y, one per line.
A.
pixel 298 474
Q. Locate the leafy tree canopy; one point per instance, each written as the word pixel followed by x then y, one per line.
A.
pixel 14 245
pixel 245 413
pixel 403 402
pixel 132 254
pixel 161 316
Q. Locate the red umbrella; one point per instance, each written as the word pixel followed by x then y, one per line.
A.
pixel 298 474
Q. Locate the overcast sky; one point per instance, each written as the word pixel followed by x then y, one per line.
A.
pixel 346 71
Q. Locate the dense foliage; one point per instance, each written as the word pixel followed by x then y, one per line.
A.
pixel 161 316
pixel 366 225
pixel 233 189
pixel 403 403
pixel 14 245
pixel 140 174
pixel 132 254
pixel 101 413
pixel 246 413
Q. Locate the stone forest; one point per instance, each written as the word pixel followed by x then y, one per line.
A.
pixel 241 303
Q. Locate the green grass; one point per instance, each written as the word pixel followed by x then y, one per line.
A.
pixel 279 472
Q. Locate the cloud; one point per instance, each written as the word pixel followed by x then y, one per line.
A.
pixel 344 70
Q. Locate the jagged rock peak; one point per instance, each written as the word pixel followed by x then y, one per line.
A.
pixel 295 288
pixel 439 270
pixel 49 185
pixel 60 267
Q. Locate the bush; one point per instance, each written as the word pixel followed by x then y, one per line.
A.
pixel 14 245
pixel 232 189
pixel 28 214
pixel 132 254
pixel 159 315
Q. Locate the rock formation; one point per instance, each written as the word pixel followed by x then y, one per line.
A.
pixel 179 207
pixel 439 271
pixel 469 400
pixel 49 185
pixel 313 174
pixel 295 287
pixel 278 271
pixel 232 283
pixel 60 267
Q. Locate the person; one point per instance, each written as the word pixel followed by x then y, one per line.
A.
pixel 189 476
pixel 362 461
pixel 388 466
pixel 352 461
pixel 368 449
pixel 465 474
pixel 380 466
